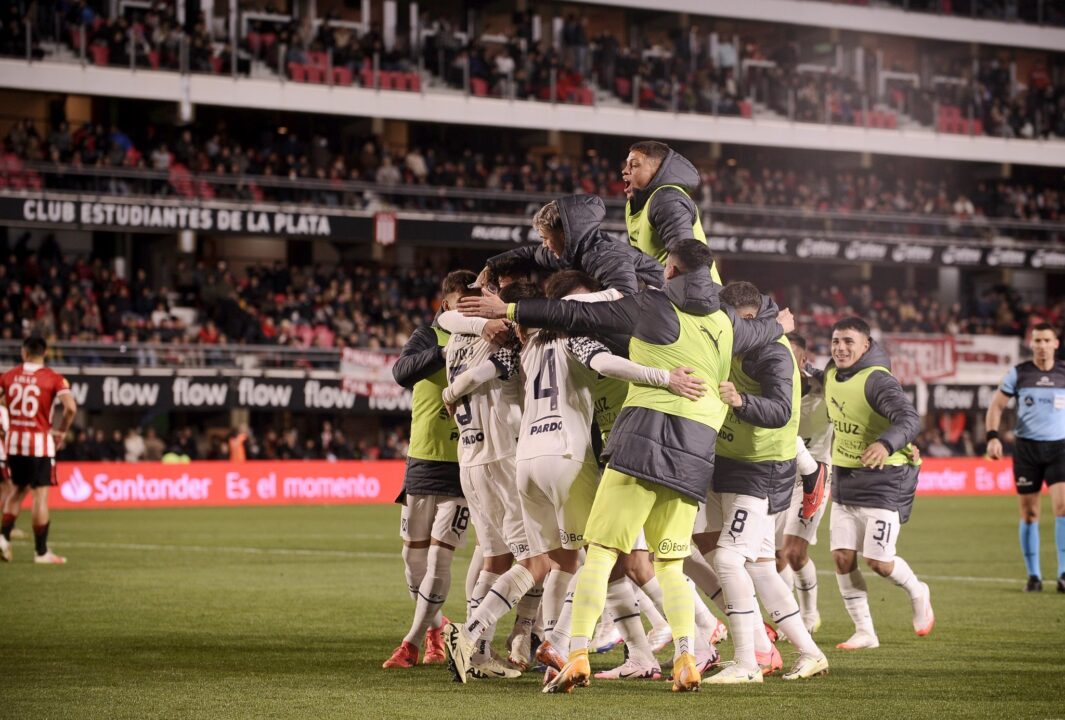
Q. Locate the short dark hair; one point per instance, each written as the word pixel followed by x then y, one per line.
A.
pixel 853 323
pixel 35 345
pixel 1045 326
pixel 796 339
pixel 507 266
pixel 565 282
pixel 691 254
pixel 655 151
pixel 521 290
pixel 741 294
pixel 458 281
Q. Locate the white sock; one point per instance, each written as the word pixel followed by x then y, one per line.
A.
pixel 647 607
pixel 624 610
pixel 803 459
pixel 473 572
pixel 740 606
pixel 781 605
pixel 705 622
pixel 432 593
pixel 704 576
pixel 485 580
pixel 903 576
pixel 806 590
pixel 856 599
pixel 527 608
pixel 555 587
pixel 414 563
pixel 788 576
pixel 559 636
pixel 653 591
pixel 501 598
pixel 762 643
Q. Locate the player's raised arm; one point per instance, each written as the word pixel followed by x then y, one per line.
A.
pixel 503 364
pixel 680 381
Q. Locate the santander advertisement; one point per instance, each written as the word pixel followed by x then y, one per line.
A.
pixel 212 484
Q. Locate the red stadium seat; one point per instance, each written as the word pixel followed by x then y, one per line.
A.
pixel 315 74
pixel 399 81
pixel 216 64
pixel 100 54
pixel 745 109
pixel 414 82
pixel 479 87
pixel 388 80
pixel 153 59
pixel 623 86
pixel 297 72
pixel 367 77
pixel 343 76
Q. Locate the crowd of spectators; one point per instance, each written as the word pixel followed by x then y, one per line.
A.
pixel 315 441
pixel 675 73
pixel 230 163
pixel 313 307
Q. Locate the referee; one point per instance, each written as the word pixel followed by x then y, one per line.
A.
pixel 1039 386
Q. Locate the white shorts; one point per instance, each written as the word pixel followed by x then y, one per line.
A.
pixel 556 498
pixel 491 490
pixel 744 523
pixel 640 543
pixel 438 517
pixel 790 522
pixel 871 531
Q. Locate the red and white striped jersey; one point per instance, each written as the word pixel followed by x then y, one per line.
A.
pixel 29 391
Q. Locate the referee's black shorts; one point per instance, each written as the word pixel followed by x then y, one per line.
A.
pixel 1036 461
pixel 33 472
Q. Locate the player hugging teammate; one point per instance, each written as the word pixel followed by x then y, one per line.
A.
pixel 638 333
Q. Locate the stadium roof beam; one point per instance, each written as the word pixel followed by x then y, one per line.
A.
pixel 456 108
pixel 889 21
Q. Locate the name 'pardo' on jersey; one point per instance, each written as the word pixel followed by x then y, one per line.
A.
pixel 558 397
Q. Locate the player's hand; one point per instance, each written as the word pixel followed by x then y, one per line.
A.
pixel 487 305
pixel 684 382
pixel 786 320
pixel 729 394
pixel 875 456
pixel 451 408
pixel 915 452
pixel 496 332
pixel 994 449
pixel 58 436
pixel 484 278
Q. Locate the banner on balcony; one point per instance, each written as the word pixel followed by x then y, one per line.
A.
pixel 368 373
pixel 161 393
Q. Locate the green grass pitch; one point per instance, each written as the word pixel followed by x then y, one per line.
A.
pixel 289 612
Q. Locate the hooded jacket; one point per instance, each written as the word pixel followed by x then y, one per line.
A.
pixel 771 366
pixel 610 260
pixel 672 212
pixel 660 448
pixel 892 487
pixel 421 358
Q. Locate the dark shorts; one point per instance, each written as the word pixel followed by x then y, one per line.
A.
pixel 1036 461
pixel 33 472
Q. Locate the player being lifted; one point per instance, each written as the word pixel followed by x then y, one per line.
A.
pixel 435 517
pixel 874 476
pixel 796 528
pixel 1039 454
pixel 29 390
pixel 557 469
pixel 660 452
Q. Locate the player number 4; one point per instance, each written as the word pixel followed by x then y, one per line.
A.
pixel 541 391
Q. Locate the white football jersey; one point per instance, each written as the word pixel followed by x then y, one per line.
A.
pixel 489 417
pixel 557 419
pixel 815 428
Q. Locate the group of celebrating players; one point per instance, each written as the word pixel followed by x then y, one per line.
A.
pixel 632 432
